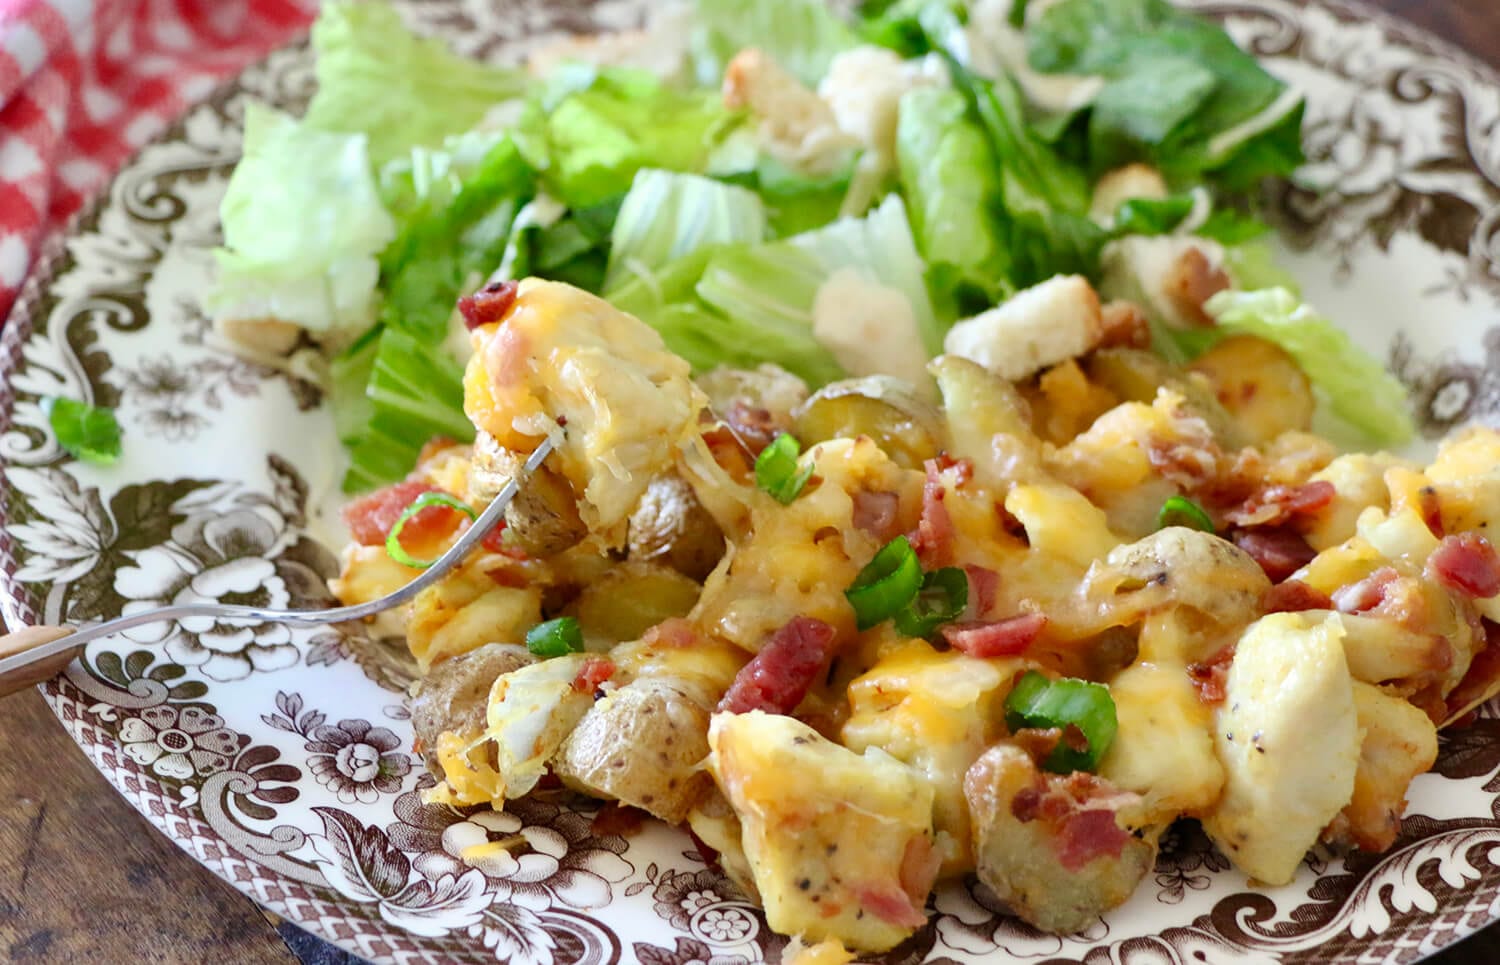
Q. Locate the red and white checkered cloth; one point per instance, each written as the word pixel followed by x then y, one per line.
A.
pixel 84 83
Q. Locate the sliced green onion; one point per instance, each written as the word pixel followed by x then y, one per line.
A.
pixel 555 638
pixel 887 585
pixel 1181 511
pixel 944 595
pixel 87 432
pixel 1037 701
pixel 776 469
pixel 393 547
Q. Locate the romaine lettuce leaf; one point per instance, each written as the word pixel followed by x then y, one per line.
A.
pixel 1354 386
pixel 303 224
pixel 668 215
pixel 590 136
pixel 415 392
pixel 401 90
pixel 948 174
pixel 801 35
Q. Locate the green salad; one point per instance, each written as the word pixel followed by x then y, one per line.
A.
pixel 768 182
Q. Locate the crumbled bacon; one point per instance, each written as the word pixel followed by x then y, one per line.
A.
pixel 1293 596
pixel 933 540
pixel 776 679
pixel 920 863
pixel 1124 324
pixel 595 671
pixel 1002 638
pixel 875 513
pixel 1279 550
pixel 1367 594
pixel 371 517
pixel 1090 834
pixel 755 427
pixel 1210 676
pixel 1431 510
pixel 1466 563
pixel 488 305
pixel 494 541
pixel 888 902
pixel 1038 743
pixel 984 586
pixel 730 452
pixel 674 632
pixel 1275 505
pixel 1191 282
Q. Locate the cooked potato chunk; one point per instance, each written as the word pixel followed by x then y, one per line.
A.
pixel 1164 748
pixel 454 694
pixel 644 745
pixel 1288 737
pixel 466 611
pixel 542 519
pixel 1399 743
pixel 1058 867
pixel 671 526
pixel 888 410
pixel 840 844
pixel 1263 387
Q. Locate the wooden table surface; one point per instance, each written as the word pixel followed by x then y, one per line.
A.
pixel 88 880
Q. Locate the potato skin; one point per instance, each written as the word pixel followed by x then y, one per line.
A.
pixel 642 745
pixel 671 526
pixel 542 520
pixel 1017 858
pixel 454 695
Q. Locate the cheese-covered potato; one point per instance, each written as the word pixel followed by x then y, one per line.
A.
pixel 840 844
pixel 1164 748
pixel 467 610
pixel 567 364
pixel 1288 737
pixel 1399 743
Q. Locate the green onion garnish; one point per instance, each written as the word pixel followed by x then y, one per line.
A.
pixel 944 595
pixel 85 431
pixel 776 469
pixel 555 638
pixel 1181 511
pixel 393 547
pixel 887 585
pixel 1037 701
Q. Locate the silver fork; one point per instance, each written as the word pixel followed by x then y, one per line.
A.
pixel 33 654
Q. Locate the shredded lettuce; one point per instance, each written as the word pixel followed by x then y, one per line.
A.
pixel 801 35
pixel 668 215
pixel 303 224
pixel 1355 386
pixel 948 175
pixel 378 78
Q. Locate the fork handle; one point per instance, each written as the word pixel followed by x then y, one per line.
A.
pixel 29 638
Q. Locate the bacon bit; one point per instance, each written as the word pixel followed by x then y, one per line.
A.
pixel 1124 325
pixel 875 513
pixel 1467 563
pixel 756 427
pixel 494 541
pixel 919 869
pixel 622 820
pixel 1086 835
pixel 1278 504
pixel 595 671
pixel 1431 510
pixel 1279 551
pixel 1209 677
pixel 1191 282
pixel 890 904
pixel 371 517
pixel 1189 465
pixel 1038 742
pixel 776 679
pixel 1026 806
pixel 1367 594
pixel 488 305
pixel 1294 596
pixel 984 586
pixel 1002 638
pixel 933 539
pixel 730 452
pixel 674 632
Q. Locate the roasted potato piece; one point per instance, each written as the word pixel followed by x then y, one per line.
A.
pixel 631 598
pixel 466 611
pixel 716 825
pixel 671 526
pixel 1399 743
pixel 454 694
pixel 768 387
pixel 889 410
pixel 643 745
pixel 1046 868
pixel 1135 375
pixel 1179 567
pixel 542 520
pixel 1262 387
pixel 989 423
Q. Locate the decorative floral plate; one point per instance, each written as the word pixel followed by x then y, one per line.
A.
pixel 280 758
